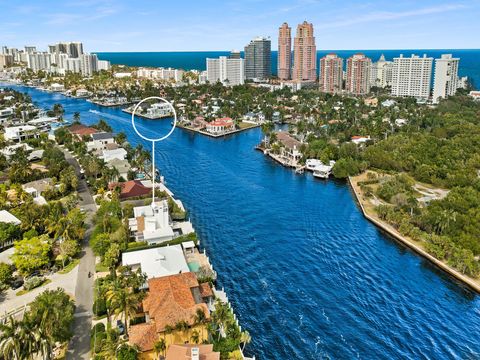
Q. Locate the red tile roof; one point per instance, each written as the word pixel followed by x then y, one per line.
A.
pixel 170 299
pixel 222 122
pixel 143 335
pixel 132 188
pixel 206 290
pixel 81 130
pixel 287 140
pixel 184 352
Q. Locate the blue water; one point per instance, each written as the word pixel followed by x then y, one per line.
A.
pixel 469 59
pixel 307 275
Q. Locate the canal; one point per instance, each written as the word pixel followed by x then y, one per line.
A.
pixel 307 275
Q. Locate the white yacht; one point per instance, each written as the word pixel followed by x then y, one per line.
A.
pixel 323 171
pixel 311 164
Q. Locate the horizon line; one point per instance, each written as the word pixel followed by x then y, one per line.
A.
pixel 321 50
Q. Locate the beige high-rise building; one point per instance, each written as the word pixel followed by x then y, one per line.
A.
pixel 331 73
pixel 284 61
pixel 304 54
pixel 5 60
pixel 358 74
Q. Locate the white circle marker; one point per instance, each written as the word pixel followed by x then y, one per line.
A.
pixel 174 119
pixel 154 140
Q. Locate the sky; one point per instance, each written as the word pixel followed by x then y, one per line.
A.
pixel 204 25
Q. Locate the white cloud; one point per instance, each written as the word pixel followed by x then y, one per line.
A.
pixel 388 15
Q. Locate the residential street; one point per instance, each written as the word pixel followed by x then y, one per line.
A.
pixel 79 347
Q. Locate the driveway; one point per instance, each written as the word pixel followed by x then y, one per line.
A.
pixel 10 301
pixel 79 347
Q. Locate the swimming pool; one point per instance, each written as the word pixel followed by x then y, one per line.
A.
pixel 194 266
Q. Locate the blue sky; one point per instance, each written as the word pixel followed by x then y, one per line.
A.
pixel 152 25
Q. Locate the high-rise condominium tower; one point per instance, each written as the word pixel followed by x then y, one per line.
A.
pixel 445 81
pixel 304 54
pixel 331 73
pixel 381 73
pixel 358 74
pixel 412 76
pixel 258 54
pixel 72 49
pixel 227 71
pixel 284 62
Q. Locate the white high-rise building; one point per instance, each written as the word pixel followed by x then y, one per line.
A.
pixel 88 64
pixel 39 61
pixel 103 65
pixel 30 49
pixel 73 65
pixel 381 73
pixel 445 81
pixel 167 74
pixel 72 49
pixel 412 76
pixel 228 71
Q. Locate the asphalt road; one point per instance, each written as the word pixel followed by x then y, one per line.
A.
pixel 79 347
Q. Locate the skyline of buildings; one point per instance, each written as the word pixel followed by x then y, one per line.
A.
pixel 405 76
pixel 60 58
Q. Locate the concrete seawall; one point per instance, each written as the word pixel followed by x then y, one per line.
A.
pixel 473 284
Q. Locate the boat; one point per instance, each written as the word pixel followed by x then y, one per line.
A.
pixel 311 164
pixel 322 171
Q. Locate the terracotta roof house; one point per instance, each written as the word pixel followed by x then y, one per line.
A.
pixel 129 189
pixel 219 126
pixel 170 300
pixel 81 130
pixel 191 352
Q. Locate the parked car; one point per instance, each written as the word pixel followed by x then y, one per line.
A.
pixel 120 327
pixel 17 283
pixel 36 273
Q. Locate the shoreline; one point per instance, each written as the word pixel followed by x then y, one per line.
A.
pixel 471 283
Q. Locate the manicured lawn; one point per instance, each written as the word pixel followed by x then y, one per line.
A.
pixel 101 268
pixel 70 266
pixel 244 125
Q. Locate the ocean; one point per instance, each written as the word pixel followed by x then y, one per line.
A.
pixel 469 59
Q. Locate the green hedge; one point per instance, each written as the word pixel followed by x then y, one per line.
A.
pixel 176 241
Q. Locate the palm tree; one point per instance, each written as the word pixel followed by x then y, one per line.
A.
pixel 76 116
pixel 200 318
pixel 211 329
pixel 169 329
pixel 245 338
pixel 159 347
pixel 182 326
pixel 221 315
pixel 123 300
pixel 10 343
